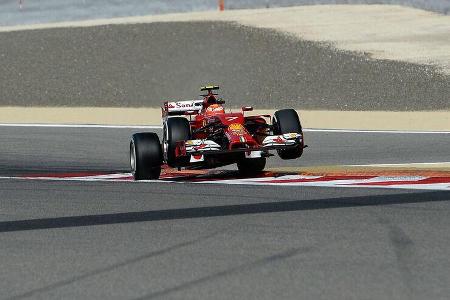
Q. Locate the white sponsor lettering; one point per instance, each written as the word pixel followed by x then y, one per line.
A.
pixel 183 106
pixel 231 118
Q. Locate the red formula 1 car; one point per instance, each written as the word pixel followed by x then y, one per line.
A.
pixel 199 134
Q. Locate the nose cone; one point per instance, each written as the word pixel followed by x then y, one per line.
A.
pixel 239 137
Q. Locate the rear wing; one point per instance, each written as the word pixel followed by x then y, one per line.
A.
pixel 179 108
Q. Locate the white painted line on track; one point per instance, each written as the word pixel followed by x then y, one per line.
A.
pixel 372 131
pixel 160 127
pixel 402 164
pixel 88 179
pixel 393 182
pixel 80 126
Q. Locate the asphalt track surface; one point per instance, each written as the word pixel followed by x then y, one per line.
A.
pixel 130 240
pixel 38 150
pixel 140 65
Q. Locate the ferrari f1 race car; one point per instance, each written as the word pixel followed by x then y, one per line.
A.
pixel 199 134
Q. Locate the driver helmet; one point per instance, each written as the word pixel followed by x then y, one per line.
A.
pixel 214 109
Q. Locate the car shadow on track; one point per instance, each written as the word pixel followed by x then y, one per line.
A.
pixel 223 210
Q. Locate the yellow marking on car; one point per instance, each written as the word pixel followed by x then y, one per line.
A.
pixel 236 127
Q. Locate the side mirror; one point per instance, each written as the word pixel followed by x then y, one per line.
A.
pixel 247 108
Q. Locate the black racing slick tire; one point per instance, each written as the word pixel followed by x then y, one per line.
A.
pixel 176 129
pixel 146 156
pixel 287 121
pixel 249 166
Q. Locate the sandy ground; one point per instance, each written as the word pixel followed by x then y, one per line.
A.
pixel 428 121
pixel 383 31
pixel 323 86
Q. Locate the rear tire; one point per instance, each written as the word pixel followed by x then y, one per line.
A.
pixel 250 166
pixel 145 156
pixel 287 121
pixel 176 129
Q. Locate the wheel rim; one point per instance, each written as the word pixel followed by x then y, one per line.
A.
pixel 133 158
pixel 165 145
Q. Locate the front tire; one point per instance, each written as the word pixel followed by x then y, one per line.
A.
pixel 145 156
pixel 287 121
pixel 251 166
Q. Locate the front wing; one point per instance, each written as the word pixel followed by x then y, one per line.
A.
pixel 196 149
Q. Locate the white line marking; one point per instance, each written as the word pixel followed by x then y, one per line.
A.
pixel 401 164
pixel 80 126
pixel 87 179
pixel 353 183
pixel 160 127
pixel 373 131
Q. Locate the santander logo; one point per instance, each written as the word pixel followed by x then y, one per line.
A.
pixel 180 104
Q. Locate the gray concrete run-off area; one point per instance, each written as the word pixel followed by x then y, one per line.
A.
pixel 69 10
pixel 144 64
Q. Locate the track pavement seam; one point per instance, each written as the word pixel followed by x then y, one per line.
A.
pixel 112 267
